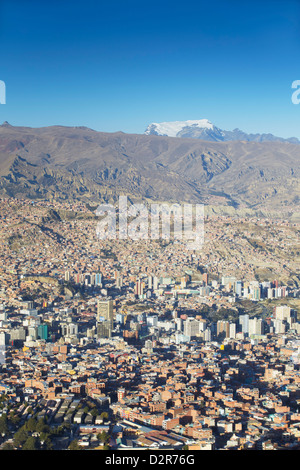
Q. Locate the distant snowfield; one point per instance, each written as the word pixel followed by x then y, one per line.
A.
pixel 205 130
pixel 171 129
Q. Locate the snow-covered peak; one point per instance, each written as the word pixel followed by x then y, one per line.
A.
pixel 203 129
pixel 171 129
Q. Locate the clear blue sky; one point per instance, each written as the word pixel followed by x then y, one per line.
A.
pixel 120 65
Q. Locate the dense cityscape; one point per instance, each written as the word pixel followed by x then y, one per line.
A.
pixel 122 344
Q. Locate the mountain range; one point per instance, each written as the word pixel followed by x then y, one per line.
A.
pixel 80 164
pixel 205 130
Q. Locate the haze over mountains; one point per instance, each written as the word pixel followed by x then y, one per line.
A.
pixel 78 163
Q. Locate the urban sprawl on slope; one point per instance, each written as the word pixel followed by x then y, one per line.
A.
pixel 121 344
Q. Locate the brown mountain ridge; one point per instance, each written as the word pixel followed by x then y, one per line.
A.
pixel 78 163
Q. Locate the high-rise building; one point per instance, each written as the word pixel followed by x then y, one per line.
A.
pixel 270 293
pixel 238 288
pixel 17 334
pixel 103 329
pixel 139 288
pixel 152 320
pixel 32 332
pixel 228 281
pixel 244 323
pixel 256 326
pixel 256 293
pixel 120 318
pixel 283 312
pixel 69 329
pixel 286 314
pixel 279 326
pixel 207 334
pixel 105 318
pixel 121 393
pixel 3 338
pixel 191 327
pixel 98 279
pixel 223 328
pixel 3 313
pixel 105 310
pixel 232 330
pixel 178 323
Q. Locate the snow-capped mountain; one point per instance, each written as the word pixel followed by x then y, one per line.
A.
pixel 172 129
pixel 205 130
pixel 197 129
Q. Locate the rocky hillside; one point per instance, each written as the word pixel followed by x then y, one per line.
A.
pixel 77 163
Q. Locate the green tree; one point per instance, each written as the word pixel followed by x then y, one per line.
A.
pixel 60 430
pixel 45 439
pixel 103 437
pixel 20 437
pixel 104 415
pixel 30 425
pixel 41 426
pixel 3 424
pixel 74 445
pixel 14 418
pixel 31 443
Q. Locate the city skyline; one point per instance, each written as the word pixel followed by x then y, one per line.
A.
pixel 149 278
pixel 130 345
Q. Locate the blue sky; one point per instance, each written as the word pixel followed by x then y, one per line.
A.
pixel 120 65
